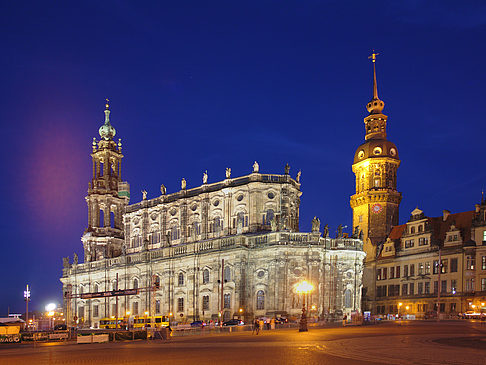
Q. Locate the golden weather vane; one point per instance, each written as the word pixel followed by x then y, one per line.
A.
pixel 107 103
pixel 373 56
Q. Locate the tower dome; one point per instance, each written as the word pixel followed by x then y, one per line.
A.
pixel 106 131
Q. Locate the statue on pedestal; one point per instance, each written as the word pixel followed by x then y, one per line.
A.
pixel 163 189
pixel 316 224
pixel 325 234
pixel 256 167
pixel 228 172
pixel 298 176
pixel 183 184
pixel 205 177
pixel 144 195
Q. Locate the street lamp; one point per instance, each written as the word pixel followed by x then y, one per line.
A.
pixel 399 305
pixel 303 288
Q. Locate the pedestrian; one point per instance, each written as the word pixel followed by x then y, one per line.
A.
pixel 256 327
pixel 345 319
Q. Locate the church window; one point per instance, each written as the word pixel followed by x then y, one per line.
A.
pixel 81 312
pixel 80 289
pixel 180 304
pixel 260 300
pixel 227 274
pixel 205 303
pixel 96 288
pixel 101 169
pixel 157 306
pixel 174 232
pixel 269 216
pixel 102 218
pixel 180 279
pixel 241 220
pixel 135 308
pixel 96 311
pixel 347 298
pixel 112 219
pixel 155 237
pixel 227 301
pixel 197 228
pixel 135 283
pixel 205 276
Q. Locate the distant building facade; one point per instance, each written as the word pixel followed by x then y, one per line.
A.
pixel 230 248
pixel 425 266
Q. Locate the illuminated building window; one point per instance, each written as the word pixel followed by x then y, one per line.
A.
pixel 260 304
pixel 483 263
pixel 205 276
pixel 445 265
pixel 180 304
pixel 205 303
pixel 483 284
pixel 484 236
pixel 453 286
pixel 227 301
pixel 421 268
pixel 427 268
pixel 227 274
pixel 469 262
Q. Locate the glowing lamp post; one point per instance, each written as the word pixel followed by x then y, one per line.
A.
pixel 303 288
pixel 399 305
pixel 27 299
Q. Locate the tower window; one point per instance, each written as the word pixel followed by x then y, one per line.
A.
pixel 112 219
pixel 102 218
pixel 377 183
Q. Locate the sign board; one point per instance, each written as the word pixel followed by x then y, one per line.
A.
pixel 58 336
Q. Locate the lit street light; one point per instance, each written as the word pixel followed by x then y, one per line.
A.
pixel 303 288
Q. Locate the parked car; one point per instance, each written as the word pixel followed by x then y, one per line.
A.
pixel 60 327
pixel 234 322
pixel 198 324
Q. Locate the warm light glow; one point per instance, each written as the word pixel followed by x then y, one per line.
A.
pixel 50 314
pixel 146 313
pixel 128 313
pixel 407 307
pixel 400 304
pixel 473 305
pixel 219 314
pixel 170 314
pixel 482 304
pixel 241 310
pixel 303 287
pixel 50 307
pixel 313 307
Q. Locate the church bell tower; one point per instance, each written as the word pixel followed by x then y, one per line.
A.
pixel 107 197
pixel 376 201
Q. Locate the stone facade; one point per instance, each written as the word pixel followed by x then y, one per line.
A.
pixel 230 248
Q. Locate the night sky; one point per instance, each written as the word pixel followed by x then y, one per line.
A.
pixel 198 85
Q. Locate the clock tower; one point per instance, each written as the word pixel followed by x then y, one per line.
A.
pixel 376 201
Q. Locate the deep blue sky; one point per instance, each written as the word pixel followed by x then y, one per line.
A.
pixel 198 85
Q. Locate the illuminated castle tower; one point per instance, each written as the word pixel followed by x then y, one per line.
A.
pixel 376 201
pixel 107 197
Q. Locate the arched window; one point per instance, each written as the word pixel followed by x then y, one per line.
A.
pixel 205 276
pixel 205 303
pixel 412 230
pixel 180 304
pixel 135 283
pixel 260 300
pixel 174 232
pixel 112 219
pixel 197 228
pixel 102 218
pixel 269 216
pixel 240 220
pixel 217 225
pixel 347 298
pixel 156 279
pixel 377 183
pixel 80 289
pixel 96 288
pixel 420 228
pixel 227 301
pixel 227 274
pixel 180 279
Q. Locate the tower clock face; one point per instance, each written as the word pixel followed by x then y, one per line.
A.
pixel 377 208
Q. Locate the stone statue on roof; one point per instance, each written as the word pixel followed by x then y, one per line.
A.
pixel 75 258
pixel 205 177
pixel 163 189
pixel 325 234
pixel 316 224
pixel 228 172
pixel 340 231
pixel 183 184
pixel 287 169
pixel 144 195
pixel 65 262
pixel 298 176
pixel 256 167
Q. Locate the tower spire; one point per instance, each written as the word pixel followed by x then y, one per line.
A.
pixel 106 131
pixel 375 106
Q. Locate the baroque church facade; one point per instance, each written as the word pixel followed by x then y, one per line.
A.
pixel 229 249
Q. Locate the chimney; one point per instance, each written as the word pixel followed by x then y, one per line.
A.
pixel 445 214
